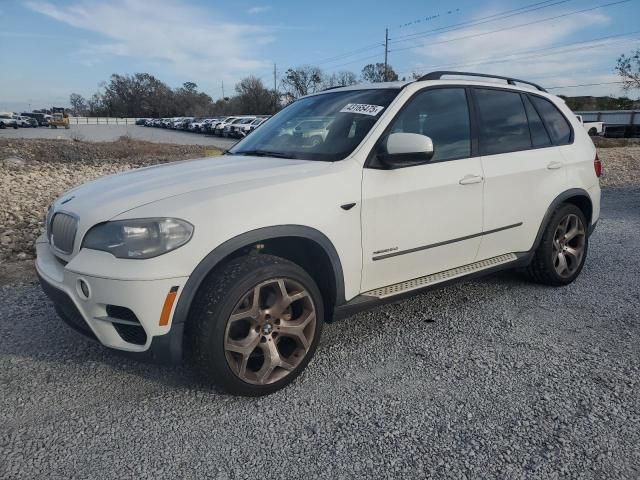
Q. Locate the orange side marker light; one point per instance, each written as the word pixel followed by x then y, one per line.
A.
pixel 168 306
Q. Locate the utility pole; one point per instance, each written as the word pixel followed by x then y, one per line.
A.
pixel 386 52
pixel 222 89
pixel 275 85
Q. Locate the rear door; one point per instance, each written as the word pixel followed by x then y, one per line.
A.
pixel 524 171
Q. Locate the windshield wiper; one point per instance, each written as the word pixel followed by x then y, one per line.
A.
pixel 263 153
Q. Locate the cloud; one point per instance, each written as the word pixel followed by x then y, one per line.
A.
pixel 256 10
pixel 195 43
pixel 514 52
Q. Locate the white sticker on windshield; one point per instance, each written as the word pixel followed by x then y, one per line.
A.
pixel 362 108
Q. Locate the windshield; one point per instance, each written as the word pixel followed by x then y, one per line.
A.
pixel 324 127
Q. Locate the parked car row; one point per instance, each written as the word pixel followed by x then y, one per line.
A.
pixel 23 120
pixel 233 127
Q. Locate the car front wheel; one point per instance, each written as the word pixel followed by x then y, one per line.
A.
pixel 255 325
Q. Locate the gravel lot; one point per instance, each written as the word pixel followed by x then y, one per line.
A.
pixel 495 378
pixel 109 133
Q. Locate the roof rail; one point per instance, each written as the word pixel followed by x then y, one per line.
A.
pixel 334 87
pixel 511 81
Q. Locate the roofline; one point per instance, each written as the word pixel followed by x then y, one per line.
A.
pixel 437 75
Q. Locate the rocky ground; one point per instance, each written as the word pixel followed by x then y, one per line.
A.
pixel 34 172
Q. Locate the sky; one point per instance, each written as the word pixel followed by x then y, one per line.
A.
pixel 51 48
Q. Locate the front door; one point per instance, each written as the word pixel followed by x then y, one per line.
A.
pixel 425 218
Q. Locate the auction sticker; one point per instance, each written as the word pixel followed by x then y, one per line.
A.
pixel 362 108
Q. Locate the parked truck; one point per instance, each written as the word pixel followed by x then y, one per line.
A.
pixel 592 128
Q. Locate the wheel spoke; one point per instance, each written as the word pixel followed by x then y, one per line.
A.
pixel 245 346
pixel 251 313
pixel 296 329
pixel 574 253
pixel 573 233
pixel 271 361
pixel 562 263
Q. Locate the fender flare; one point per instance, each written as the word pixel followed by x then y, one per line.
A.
pixel 246 239
pixel 574 192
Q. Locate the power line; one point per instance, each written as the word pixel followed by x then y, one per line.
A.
pixel 373 46
pixel 348 54
pixel 516 26
pixel 355 61
pixel 583 85
pixel 534 53
pixel 480 21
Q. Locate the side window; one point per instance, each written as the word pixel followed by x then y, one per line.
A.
pixel 441 114
pixel 539 136
pixel 557 125
pixel 503 122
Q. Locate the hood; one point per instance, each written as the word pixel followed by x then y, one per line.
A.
pixel 107 197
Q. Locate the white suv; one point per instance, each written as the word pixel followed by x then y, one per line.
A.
pixel 234 263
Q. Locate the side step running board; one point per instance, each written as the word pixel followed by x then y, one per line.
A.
pixel 427 280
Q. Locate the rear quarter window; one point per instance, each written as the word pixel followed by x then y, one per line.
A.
pixel 557 125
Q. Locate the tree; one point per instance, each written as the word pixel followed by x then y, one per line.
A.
pixel 628 68
pixel 375 73
pixel 254 98
pixel 300 81
pixel 188 100
pixel 340 79
pixel 78 104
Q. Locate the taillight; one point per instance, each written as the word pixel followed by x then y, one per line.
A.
pixel 597 166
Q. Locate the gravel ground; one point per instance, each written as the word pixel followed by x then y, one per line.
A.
pixel 35 172
pixel 495 378
pixel 109 133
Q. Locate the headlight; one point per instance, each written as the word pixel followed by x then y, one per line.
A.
pixel 139 238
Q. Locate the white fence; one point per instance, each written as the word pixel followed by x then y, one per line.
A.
pixel 101 121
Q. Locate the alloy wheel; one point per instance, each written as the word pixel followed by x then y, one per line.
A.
pixel 569 242
pixel 270 331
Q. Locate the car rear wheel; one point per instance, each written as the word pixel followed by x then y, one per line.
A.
pixel 255 325
pixel 559 258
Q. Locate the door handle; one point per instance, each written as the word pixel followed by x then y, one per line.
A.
pixel 470 179
pixel 554 165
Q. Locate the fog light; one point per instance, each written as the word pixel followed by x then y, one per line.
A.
pixel 83 289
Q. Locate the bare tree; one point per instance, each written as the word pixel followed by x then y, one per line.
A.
pixel 375 72
pixel 343 78
pixel 78 104
pixel 300 81
pixel 628 68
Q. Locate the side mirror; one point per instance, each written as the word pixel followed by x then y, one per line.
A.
pixel 406 149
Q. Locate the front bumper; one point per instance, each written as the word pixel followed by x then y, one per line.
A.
pixel 119 313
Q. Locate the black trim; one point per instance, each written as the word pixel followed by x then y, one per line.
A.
pixel 574 192
pixel 66 309
pixel 245 240
pixel 511 81
pixel 348 206
pixel 478 120
pixel 363 303
pixel 446 242
pixel 372 160
pixel 592 227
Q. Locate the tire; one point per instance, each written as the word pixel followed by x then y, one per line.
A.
pixel 547 267
pixel 593 132
pixel 254 356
